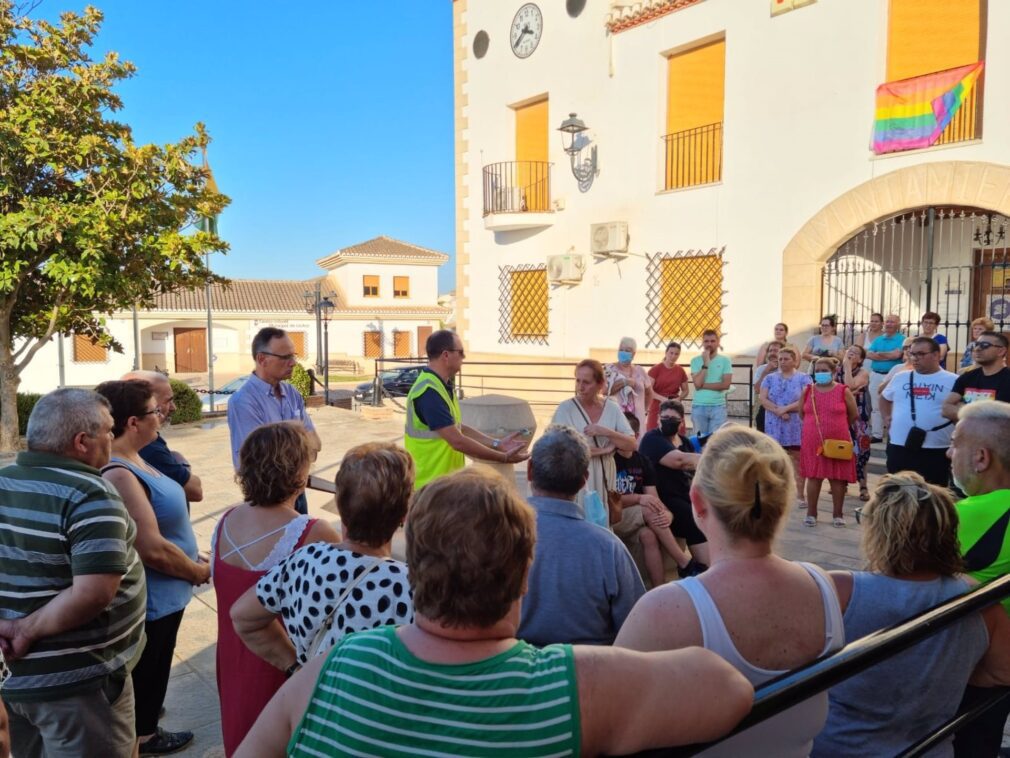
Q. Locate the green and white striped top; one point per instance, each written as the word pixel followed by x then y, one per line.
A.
pixel 374 697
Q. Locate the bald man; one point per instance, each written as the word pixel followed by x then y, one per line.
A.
pixel 157 454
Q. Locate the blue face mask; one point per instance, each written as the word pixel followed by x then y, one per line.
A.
pixel 624 356
pixel 822 377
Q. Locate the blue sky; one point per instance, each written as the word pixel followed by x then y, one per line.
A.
pixel 332 120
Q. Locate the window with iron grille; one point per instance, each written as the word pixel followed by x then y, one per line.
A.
pixel 88 351
pixel 401 344
pixel 523 304
pixel 373 344
pixel 684 295
pixel 401 286
pixel 370 285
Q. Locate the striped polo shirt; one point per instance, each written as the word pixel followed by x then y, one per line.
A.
pixel 60 519
pixel 373 697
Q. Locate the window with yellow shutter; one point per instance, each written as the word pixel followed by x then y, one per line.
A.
pixel 401 286
pixel 523 304
pixel 370 285
pixel 87 351
pixel 928 36
pixel 694 116
pixel 685 297
pixel 372 344
pixel 401 344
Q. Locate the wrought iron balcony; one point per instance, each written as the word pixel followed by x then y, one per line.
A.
pixel 517 187
pixel 693 157
pixel 967 122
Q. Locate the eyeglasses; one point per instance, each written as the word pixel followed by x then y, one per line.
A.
pixel 919 354
pixel 987 345
pixel 459 350
pixel 286 357
pixel 148 413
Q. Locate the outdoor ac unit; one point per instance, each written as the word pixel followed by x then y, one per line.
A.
pixel 605 239
pixel 565 268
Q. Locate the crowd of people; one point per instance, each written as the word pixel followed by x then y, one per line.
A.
pixel 517 625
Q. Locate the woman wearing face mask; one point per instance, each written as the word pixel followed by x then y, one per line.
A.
pixel 828 410
pixel 857 379
pixel 627 384
pixel 781 394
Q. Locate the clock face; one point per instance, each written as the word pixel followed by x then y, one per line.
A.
pixel 527 28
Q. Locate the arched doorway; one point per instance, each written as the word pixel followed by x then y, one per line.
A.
pixel 949 260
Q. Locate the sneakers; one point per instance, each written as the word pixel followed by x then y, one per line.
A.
pixel 163 743
pixel 693 568
pixel 838 521
pixel 810 521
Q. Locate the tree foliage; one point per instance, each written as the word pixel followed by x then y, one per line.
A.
pixel 90 222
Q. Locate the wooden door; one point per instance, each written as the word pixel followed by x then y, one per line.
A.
pixel 190 350
pixel 990 287
pixel 401 344
pixel 423 332
pixel 373 344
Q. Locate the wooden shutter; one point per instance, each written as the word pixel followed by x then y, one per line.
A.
pixel 694 115
pixel 401 286
pixel 925 36
pixel 86 351
pixel 370 285
pixel 529 303
pixel 690 297
pixel 532 179
pixel 401 344
pixel 373 344
pixel 299 339
pixel 423 332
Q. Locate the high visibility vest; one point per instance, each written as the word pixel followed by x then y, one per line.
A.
pixel 433 456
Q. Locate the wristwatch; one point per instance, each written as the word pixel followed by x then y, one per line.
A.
pixel 495 444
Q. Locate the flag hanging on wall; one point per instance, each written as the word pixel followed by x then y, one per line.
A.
pixel 913 113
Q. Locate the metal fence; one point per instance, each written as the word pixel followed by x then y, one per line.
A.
pixel 517 187
pixel 693 156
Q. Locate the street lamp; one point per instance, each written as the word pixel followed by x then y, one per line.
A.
pixel 326 307
pixel 583 170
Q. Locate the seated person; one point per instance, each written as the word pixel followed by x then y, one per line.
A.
pixel 583 581
pixel 470 542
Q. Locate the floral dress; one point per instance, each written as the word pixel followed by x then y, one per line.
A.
pixel 860 428
pixel 783 391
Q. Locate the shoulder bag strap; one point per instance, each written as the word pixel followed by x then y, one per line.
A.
pixel 813 404
pixel 911 393
pixel 327 624
pixel 586 416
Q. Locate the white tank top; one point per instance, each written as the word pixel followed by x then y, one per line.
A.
pixel 791 733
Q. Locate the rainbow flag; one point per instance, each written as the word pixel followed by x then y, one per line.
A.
pixel 912 113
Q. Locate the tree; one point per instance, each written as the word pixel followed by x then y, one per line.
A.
pixel 90 222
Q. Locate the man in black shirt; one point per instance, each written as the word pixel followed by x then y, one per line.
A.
pixel 673 458
pixel 990 381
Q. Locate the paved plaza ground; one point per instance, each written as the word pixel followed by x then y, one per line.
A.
pixel 192 693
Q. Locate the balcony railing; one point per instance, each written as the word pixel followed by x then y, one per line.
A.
pixel 693 156
pixel 517 187
pixel 967 122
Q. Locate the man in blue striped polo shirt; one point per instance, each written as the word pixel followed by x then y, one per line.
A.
pixel 72 589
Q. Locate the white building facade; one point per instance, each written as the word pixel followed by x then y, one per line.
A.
pixel 735 183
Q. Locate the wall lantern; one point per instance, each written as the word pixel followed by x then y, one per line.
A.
pixel 582 169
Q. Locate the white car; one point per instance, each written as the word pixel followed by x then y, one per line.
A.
pixel 221 394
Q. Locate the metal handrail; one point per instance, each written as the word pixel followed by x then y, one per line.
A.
pixel 693 156
pixel 785 691
pixel 517 187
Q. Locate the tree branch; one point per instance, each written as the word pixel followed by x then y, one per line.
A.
pixel 34 348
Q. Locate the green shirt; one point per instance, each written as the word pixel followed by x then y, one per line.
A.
pixel 374 697
pixel 718 367
pixel 983 522
pixel 59 519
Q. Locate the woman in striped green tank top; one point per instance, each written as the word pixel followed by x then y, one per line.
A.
pixel 458 682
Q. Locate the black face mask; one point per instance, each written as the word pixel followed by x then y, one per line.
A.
pixel 669 426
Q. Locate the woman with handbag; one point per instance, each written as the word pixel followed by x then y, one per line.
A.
pixel 249 540
pixel 828 410
pixel 605 427
pixel 324 591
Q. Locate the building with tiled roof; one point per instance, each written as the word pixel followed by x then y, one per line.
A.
pixel 385 304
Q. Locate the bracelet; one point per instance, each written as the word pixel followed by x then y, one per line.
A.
pixel 292 670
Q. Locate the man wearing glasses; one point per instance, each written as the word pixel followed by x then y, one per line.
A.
pixel 434 434
pixel 267 398
pixel 990 381
pixel 912 407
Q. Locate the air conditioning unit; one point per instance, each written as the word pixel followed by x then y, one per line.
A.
pixel 565 269
pixel 605 239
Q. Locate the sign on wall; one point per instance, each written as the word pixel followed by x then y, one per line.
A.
pixel 779 7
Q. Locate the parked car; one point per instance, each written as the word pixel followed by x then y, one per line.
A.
pixel 221 394
pixel 396 381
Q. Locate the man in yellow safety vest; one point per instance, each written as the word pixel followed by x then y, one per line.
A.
pixel 435 435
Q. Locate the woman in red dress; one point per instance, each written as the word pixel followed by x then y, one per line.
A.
pixel 249 540
pixel 669 382
pixel 828 409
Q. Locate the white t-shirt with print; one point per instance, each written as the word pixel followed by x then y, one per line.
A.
pixel 930 392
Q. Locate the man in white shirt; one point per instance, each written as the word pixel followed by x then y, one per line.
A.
pixel 912 407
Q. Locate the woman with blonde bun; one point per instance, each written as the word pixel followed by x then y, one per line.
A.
pixel 750 600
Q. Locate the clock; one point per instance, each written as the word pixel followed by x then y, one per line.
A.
pixel 527 29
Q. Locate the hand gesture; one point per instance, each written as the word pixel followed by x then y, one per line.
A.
pixel 511 442
pixel 14 642
pixel 651 503
pixel 517 454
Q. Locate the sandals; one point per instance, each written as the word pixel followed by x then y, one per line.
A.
pixel 810 521
pixel 864 493
pixel 838 521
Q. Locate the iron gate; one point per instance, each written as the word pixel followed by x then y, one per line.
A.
pixel 953 261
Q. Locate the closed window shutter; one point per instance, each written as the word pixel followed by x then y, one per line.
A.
pixel 373 344
pixel 401 344
pixel 690 297
pixel 529 303
pixel 926 36
pixel 86 351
